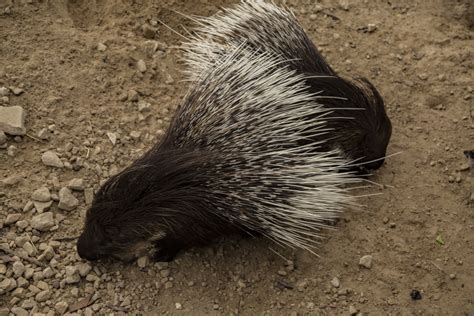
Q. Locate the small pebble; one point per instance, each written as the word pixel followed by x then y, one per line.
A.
pixel 366 261
pixel 76 184
pixel 141 66
pixel 67 201
pixel 50 158
pixel 335 282
pixel 101 47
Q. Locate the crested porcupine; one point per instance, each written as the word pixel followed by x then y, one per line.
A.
pixel 362 129
pixel 237 157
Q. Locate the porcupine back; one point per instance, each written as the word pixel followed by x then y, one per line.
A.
pixel 361 127
pixel 247 115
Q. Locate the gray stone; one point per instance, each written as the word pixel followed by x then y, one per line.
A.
pixel 366 261
pixel 47 254
pixel 43 222
pixel 18 311
pixel 44 134
pixel 28 206
pixel 335 282
pixel 50 158
pixel 12 218
pixel 10 181
pixel 8 284
pixel 12 120
pixel 84 268
pixel 42 195
pixel 132 95
pixel 143 106
pixel 12 150
pixel 72 275
pixel 61 307
pixel 22 224
pixel 18 268
pixel 3 137
pixel 142 262
pixel 67 201
pixel 17 91
pixel 352 310
pixel 42 206
pixel 112 137
pixel 30 249
pixel 141 66
pixel 4 91
pixel 43 296
pixel 88 195
pixel 101 47
pixel 76 184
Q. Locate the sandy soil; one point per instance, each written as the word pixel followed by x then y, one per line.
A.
pixel 419 229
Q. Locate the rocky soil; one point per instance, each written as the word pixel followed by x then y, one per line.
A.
pixel 87 86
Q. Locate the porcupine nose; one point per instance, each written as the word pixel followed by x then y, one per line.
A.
pixel 85 249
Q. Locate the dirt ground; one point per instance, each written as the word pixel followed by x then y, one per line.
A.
pixel 419 228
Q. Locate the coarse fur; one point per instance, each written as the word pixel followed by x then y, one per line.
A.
pixel 237 157
pixel 362 129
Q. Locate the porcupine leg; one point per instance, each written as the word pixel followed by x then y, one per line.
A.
pixel 166 249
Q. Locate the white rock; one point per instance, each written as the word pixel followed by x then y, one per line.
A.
pixel 43 222
pixel 101 47
pixel 84 268
pixel 18 268
pixel 142 262
pixel 12 218
pixel 44 134
pixel 76 184
pixel 61 307
pixel 10 181
pixel 12 120
pixel 67 201
pixel 43 296
pixel 72 275
pixel 18 311
pixel 50 158
pixel 4 91
pixel 143 106
pixel 30 249
pixel 42 195
pixel 335 282
pixel 112 137
pixel 366 261
pixel 42 206
pixel 141 66
pixel 3 137
pixel 8 284
pixel 88 195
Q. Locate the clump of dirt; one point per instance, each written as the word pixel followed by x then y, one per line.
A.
pixel 99 81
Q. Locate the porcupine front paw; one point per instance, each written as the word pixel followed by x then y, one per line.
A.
pixel 165 251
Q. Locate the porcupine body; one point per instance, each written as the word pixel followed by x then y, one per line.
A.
pixel 235 158
pixel 360 126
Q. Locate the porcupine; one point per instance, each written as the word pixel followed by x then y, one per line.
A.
pixel 231 161
pixel 360 126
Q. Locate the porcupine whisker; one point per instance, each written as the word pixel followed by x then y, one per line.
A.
pixel 171 29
